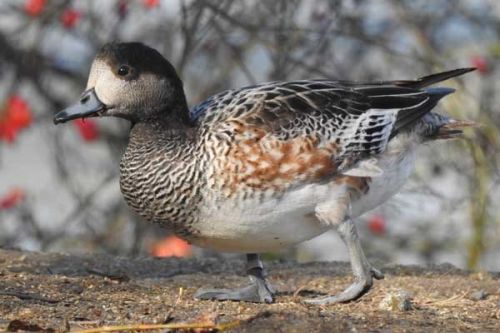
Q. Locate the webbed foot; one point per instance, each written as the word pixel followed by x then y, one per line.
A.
pixel 259 290
pixel 358 288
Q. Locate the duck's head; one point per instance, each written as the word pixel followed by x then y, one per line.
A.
pixel 131 81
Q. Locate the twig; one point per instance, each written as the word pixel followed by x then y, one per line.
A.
pixel 169 316
pixel 148 327
pixel 25 296
pixel 448 301
pixel 120 277
pixel 304 286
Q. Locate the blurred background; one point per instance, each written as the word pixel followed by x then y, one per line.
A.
pixel 59 186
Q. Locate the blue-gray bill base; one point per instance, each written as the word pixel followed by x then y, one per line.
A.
pixel 264 167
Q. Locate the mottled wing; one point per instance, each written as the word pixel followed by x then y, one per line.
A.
pixel 357 120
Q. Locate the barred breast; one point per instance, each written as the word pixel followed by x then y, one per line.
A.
pixel 159 180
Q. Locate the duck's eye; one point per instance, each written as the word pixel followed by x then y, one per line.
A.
pixel 123 70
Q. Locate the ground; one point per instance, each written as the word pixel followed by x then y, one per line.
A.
pixel 58 292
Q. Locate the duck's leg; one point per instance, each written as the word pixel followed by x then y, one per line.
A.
pixel 259 290
pixel 362 270
pixel 337 215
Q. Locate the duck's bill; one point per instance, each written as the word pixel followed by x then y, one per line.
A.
pixel 89 105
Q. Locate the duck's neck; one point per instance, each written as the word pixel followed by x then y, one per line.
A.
pixel 164 129
pixel 156 139
pixel 160 174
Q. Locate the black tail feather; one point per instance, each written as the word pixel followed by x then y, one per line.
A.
pixel 407 117
pixel 433 78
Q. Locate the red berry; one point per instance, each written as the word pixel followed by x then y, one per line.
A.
pixel 15 116
pixel 480 63
pixel 34 7
pixel 7 132
pixel 12 198
pixel 150 3
pixel 376 224
pixel 19 113
pixel 87 128
pixel 171 246
pixel 69 17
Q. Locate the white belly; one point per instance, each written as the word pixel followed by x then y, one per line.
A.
pixel 260 226
pixel 264 226
pixel 397 168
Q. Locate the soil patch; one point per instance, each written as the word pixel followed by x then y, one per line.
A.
pixel 56 292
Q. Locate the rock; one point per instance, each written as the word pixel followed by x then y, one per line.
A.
pixel 397 300
pixel 479 295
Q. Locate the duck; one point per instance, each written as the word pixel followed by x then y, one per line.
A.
pixel 264 167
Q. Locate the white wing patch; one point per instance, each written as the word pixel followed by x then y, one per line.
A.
pixel 369 132
pixel 376 125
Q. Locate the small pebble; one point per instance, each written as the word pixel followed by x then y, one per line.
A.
pixel 479 295
pixel 397 300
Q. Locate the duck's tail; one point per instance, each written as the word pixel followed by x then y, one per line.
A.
pixel 435 126
pixel 428 80
pixel 454 129
pixel 410 117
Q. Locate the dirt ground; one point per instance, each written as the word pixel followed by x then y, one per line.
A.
pixel 57 292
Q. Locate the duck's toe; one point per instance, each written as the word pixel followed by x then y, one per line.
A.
pixel 257 292
pixel 358 288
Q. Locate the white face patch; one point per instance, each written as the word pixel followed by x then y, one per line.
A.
pixel 147 92
pixel 107 86
pixel 96 70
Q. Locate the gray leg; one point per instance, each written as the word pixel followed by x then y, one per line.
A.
pixel 259 291
pixel 362 270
